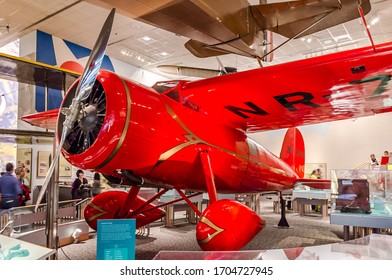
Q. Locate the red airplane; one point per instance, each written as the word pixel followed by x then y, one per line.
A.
pixel 192 135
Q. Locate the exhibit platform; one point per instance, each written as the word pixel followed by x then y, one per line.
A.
pixel 304 231
pixel 370 247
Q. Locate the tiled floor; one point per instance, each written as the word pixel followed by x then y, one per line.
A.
pixel 308 230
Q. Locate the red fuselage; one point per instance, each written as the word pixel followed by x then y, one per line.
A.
pixel 159 133
pixel 159 136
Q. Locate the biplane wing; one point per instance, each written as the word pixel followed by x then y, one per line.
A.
pixel 26 71
pixel 220 26
pixel 31 72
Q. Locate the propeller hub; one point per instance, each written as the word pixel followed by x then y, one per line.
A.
pixel 88 119
pixel 85 119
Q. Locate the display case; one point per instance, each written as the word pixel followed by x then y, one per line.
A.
pixel 362 191
pixel 371 247
pixel 15 249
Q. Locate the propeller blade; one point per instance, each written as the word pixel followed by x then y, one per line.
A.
pixel 82 92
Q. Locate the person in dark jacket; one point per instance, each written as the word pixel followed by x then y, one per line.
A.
pixel 10 189
pixel 80 187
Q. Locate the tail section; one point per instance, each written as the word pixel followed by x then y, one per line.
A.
pixel 293 151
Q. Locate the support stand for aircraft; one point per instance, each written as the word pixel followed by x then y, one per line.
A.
pixel 282 222
pixel 52 210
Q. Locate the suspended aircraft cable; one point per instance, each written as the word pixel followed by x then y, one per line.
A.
pixel 303 31
pixel 360 10
pixel 239 37
pixel 13 91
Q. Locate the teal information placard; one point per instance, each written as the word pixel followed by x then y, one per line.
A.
pixel 116 239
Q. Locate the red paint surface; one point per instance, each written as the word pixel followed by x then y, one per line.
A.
pixel 163 138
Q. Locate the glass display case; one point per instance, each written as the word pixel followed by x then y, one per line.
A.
pixel 371 247
pixel 15 249
pixel 362 191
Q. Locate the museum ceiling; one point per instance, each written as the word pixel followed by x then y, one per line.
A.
pixel 147 47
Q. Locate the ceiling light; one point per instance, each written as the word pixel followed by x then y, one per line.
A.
pixel 328 41
pixel 303 39
pixel 137 56
pixel 345 37
pixel 164 54
pixel 374 20
pixel 146 38
pixel 309 40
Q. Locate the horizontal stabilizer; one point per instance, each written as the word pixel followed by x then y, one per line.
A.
pixel 313 183
pixel 290 18
pixel 199 49
pixel 46 119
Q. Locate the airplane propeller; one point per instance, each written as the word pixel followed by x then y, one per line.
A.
pixel 77 109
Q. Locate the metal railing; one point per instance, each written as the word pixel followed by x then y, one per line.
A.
pixel 22 216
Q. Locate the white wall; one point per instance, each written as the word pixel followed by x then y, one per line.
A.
pixel 341 144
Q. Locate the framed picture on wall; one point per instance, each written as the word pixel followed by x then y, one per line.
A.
pixel 65 168
pixel 43 163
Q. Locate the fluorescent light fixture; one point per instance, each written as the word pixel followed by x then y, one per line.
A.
pixel 146 38
pixel 374 20
pixel 137 56
pixel 345 37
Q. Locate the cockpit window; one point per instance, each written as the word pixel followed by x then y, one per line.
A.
pixel 252 147
pixel 173 94
pixel 162 87
pixel 169 88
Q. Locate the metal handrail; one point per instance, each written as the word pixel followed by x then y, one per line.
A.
pixel 82 201
pixel 365 164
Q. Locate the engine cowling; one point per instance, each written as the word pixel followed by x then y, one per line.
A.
pixel 107 136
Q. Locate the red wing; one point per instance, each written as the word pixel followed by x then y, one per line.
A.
pixel 46 119
pixel 339 86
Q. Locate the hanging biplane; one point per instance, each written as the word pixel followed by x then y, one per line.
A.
pixel 217 27
pixel 192 135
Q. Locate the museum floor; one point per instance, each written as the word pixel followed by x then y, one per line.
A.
pixel 308 230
